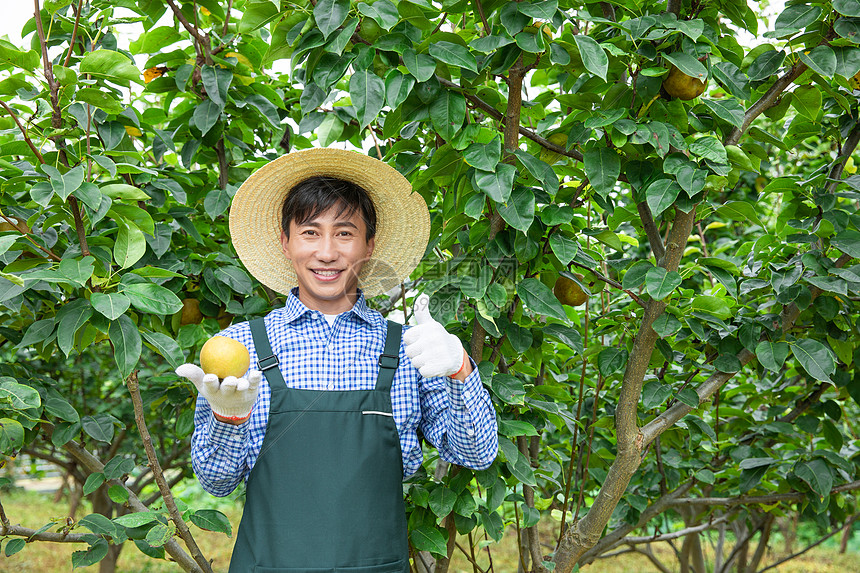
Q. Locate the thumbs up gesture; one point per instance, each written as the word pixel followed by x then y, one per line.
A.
pixel 433 351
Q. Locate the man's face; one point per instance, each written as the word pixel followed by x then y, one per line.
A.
pixel 327 254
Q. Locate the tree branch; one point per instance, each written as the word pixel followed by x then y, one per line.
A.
pixel 201 38
pixel 23 131
pixel 612 283
pixel 651 231
pixel 91 463
pixel 676 534
pixel 768 100
pixel 707 388
pixel 498 116
pixel 759 499
pixel 674 7
pixel 848 524
pixel 32 535
pixel 166 495
pixel 847 149
pixel 74 34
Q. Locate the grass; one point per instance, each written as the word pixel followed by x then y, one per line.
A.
pixel 32 509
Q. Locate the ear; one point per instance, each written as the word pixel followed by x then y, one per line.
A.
pixel 285 244
pixel 371 243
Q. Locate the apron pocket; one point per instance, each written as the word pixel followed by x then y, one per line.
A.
pixel 377 413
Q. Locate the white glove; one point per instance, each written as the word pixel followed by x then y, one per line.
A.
pixel 432 349
pixel 232 398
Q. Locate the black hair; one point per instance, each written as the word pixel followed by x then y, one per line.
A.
pixel 312 197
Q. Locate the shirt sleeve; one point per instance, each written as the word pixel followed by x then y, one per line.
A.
pixel 459 419
pixel 219 451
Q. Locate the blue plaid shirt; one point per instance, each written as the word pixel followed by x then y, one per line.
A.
pixel 456 417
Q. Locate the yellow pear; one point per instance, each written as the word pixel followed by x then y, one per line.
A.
pixel 190 312
pixel 224 357
pixel 680 85
pixel 568 292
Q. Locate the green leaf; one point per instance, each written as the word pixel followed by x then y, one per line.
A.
pixel 421 66
pixel 728 110
pixel 539 298
pixel 59 407
pixel 611 360
pixel 112 305
pixel 689 397
pixel 130 244
pixel 661 194
pixel 11 435
pixel 77 270
pixel 70 319
pixel 688 64
pixel 26 60
pixel 602 167
pixel 160 534
pixel 847 61
pixel 660 283
pixel 66 183
pixel 212 520
pixel 593 55
pixel 564 248
pixel 539 170
pixel 847 7
pixel 771 355
pixel 383 11
pixel 796 17
pixel 519 210
pixel 739 211
pixel 655 393
pixel 483 156
pixel 508 388
pixel 135 519
pixel 103 100
pixel 367 91
pixel 666 324
pixel 257 14
pixel 13 546
pixel 110 65
pixel 118 494
pixel 447 113
pixel 442 500
pixel 709 148
pixel 18 396
pixel 398 86
pixel 734 80
pixel 330 14
pixel 166 346
pixel 235 278
pixel 497 184
pixel 428 538
pixel 817 475
pixel 126 342
pixel 636 274
pixel 821 59
pixel 96 552
pixel 205 115
pixel 216 202
pixel 216 81
pixel 752 477
pixel 847 241
pixel 266 108
pixel 567 334
pixel 117 467
pixel 152 298
pixel 453 54
pixel 712 305
pixel 99 427
pixel 124 192
pixel 94 481
pixel 815 358
pixel 765 65
pixel 807 101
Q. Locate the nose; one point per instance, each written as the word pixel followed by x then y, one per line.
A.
pixel 326 249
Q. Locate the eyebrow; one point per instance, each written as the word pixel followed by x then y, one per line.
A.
pixel 337 224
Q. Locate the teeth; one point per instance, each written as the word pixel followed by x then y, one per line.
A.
pixel 327 273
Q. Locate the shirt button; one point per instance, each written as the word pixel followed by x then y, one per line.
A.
pixel 470 432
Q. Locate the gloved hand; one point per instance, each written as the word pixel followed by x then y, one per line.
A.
pixel 432 349
pixel 233 398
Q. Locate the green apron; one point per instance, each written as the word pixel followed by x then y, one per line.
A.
pixel 325 495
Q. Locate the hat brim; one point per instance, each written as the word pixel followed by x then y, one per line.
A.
pixel 402 229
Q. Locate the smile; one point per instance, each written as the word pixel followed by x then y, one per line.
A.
pixel 327 275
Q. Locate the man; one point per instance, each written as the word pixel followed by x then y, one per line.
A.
pixel 324 427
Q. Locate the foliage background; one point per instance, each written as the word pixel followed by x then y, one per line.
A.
pixel 711 383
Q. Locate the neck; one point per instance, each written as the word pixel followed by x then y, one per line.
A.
pixel 336 306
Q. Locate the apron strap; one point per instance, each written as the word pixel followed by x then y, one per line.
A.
pixel 390 357
pixel 267 361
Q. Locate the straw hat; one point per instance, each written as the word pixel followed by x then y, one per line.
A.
pixel 402 228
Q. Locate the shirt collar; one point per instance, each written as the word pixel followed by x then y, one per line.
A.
pixel 295 308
